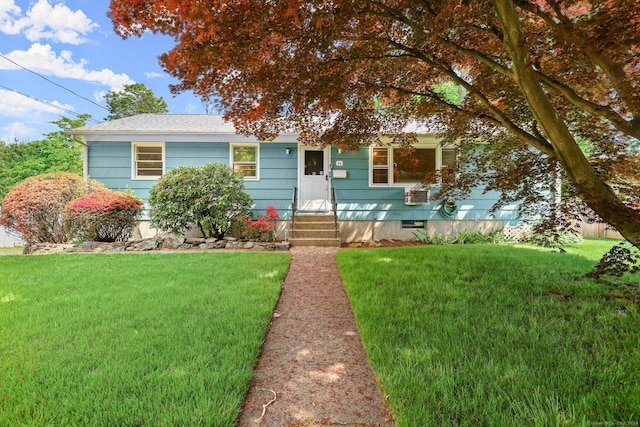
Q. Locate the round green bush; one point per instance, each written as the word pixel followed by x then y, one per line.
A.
pixel 209 197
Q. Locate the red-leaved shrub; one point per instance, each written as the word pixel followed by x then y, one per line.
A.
pixel 103 216
pixel 34 208
pixel 263 228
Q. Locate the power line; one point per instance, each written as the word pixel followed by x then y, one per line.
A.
pixel 52 82
pixel 66 110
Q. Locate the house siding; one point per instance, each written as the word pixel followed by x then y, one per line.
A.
pixel 358 201
pixel 278 177
pixel 110 163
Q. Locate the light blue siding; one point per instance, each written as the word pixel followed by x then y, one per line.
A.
pixel 278 177
pixel 110 163
pixel 195 153
pixel 359 201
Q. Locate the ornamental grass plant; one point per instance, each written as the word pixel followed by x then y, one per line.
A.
pixel 132 339
pixel 498 335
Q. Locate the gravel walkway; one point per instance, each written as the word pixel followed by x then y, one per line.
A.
pixel 313 358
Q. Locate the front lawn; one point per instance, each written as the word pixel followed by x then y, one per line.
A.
pixel 132 339
pixel 12 250
pixel 497 335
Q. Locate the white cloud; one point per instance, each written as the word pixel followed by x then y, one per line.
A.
pixel 9 14
pixel 16 131
pixel 42 59
pixel 99 95
pixel 20 106
pixel 26 115
pixel 154 75
pixel 191 109
pixel 44 21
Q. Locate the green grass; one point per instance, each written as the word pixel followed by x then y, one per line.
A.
pixel 13 250
pixel 132 339
pixel 496 335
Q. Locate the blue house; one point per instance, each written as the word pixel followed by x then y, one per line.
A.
pixel 375 193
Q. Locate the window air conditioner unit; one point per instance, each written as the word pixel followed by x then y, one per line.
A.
pixel 417 195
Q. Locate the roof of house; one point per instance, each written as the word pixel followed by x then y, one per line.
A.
pixel 173 126
pixel 161 123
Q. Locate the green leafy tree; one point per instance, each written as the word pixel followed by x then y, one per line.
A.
pixel 134 99
pixel 209 197
pixel 57 152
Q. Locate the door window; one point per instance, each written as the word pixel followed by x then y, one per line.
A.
pixel 314 162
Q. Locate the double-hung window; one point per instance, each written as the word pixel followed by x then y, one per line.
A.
pixel 148 160
pixel 405 166
pixel 244 160
pixel 448 169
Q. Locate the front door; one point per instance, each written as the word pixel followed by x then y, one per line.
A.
pixel 314 179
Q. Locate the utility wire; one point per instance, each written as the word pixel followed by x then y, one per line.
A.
pixel 52 82
pixel 47 103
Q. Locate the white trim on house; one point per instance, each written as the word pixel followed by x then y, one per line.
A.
pixel 233 163
pixel 389 166
pixel 135 176
pixel 314 190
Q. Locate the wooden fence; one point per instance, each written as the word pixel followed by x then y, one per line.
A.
pixel 599 230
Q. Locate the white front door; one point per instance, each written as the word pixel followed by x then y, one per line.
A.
pixel 314 179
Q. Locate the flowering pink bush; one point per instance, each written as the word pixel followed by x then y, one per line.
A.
pixel 34 208
pixel 262 228
pixel 103 216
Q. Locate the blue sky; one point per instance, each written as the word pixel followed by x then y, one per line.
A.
pixel 72 44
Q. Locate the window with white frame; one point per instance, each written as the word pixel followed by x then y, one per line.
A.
pixel 148 160
pixel 403 166
pixel 448 168
pixel 244 159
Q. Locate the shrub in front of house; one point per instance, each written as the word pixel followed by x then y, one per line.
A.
pixel 103 216
pixel 263 228
pixel 35 207
pixel 210 197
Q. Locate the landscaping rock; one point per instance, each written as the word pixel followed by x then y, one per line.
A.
pixel 145 245
pixel 100 247
pixel 49 248
pixel 282 246
pixel 173 242
pixel 167 243
pixel 194 240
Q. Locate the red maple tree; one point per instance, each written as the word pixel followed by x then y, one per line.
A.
pixel 539 79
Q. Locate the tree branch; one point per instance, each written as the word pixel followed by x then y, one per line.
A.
pixel 541 145
pixel 614 71
pixel 628 127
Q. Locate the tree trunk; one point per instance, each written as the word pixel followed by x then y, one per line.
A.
pixel 591 189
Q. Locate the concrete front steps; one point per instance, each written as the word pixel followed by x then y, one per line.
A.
pixel 314 230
